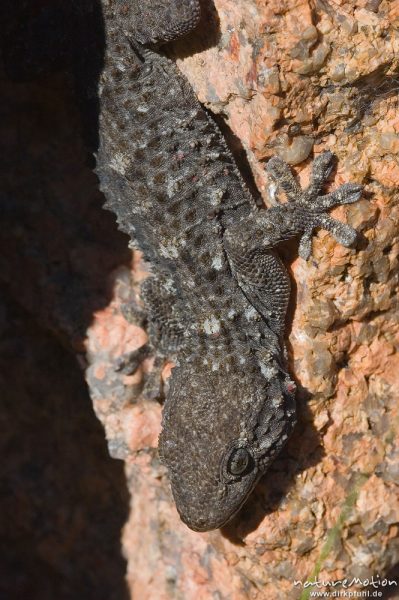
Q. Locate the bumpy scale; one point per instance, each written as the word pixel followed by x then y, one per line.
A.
pixel 173 184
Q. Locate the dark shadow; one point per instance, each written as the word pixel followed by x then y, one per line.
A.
pixel 240 156
pixel 44 37
pixel 63 501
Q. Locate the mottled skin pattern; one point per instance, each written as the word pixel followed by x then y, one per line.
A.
pixel 218 295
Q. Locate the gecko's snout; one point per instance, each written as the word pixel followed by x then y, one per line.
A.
pixel 212 502
pixel 209 516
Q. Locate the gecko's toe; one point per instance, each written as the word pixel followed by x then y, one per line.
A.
pixel 345 194
pixel 281 174
pixel 305 245
pixel 343 233
pixel 128 363
pixel 153 387
pixel 322 166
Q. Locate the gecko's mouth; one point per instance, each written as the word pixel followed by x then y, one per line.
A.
pixel 208 525
pixel 206 516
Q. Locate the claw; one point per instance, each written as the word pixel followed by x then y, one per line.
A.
pixel 283 177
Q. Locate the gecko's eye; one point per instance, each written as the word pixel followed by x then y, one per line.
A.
pixel 239 461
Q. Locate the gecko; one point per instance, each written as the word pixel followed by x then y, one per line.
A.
pixel 217 296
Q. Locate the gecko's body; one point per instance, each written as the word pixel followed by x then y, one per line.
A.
pixel 218 293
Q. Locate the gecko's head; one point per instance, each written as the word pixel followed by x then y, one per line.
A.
pixel 221 430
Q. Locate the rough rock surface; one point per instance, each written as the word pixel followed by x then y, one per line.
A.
pixel 292 79
pixel 287 78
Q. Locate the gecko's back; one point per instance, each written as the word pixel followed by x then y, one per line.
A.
pixel 168 175
pixel 170 179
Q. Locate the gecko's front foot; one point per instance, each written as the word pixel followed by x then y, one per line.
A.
pixel 129 363
pixel 311 205
pixel 159 315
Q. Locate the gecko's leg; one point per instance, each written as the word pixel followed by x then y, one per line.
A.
pixel 129 363
pixel 306 209
pixel 164 329
pixel 250 243
pixel 155 22
pixel 135 313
